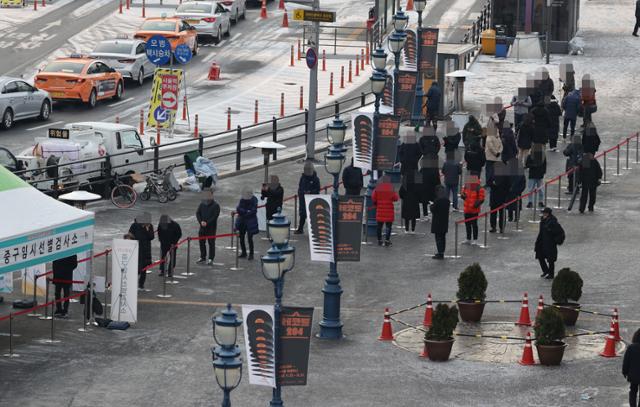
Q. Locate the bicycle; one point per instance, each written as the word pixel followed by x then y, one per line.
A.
pixel 123 195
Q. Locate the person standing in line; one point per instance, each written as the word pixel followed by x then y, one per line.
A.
pixel 497 197
pixel 452 137
pixel 635 28
pixel 509 146
pixel 473 195
pixel 451 171
pixel 440 221
pixel 525 137
pixel 309 184
pixel 410 205
pixel 433 105
pixel 352 179
pixel 554 117
pixel 207 216
pixel 63 275
pixel 541 124
pixel 475 158
pixel 571 106
pixel 430 177
pixel 573 152
pixel 143 232
pixel 590 138
pixel 275 194
pixel 631 366
pixel 590 175
pixel 169 234
pixel 492 151
pixel 588 104
pixel 247 221
pixel 517 185
pixel 521 104
pixel 384 198
pixel 550 235
pixel 537 164
pixel 471 132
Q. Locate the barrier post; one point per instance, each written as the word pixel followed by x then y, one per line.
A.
pixel 158 133
pixel 617 174
pixel 324 61
pixel 106 280
pixel 363 99
pixel 156 158
pixel 128 4
pixel 301 97
pixel 455 244
pixel 342 77
pixel 357 65
pixel 255 113
pixel 238 146
pixel 350 78
pixel 233 221
pixel 604 170
pixel 486 219
pixel 299 51
pixel 33 313
pixel 142 122
pixel 637 161
pixel 228 118
pixel 52 339
pixel 282 104
pixel 87 298
pixel 518 203
pixel 164 278
pixel 535 206
pixel 11 354
pixel 46 300
pixel 626 166
pixel 274 135
pixel 336 108
pixel 295 213
pixel 189 273
pixel 237 253
pixel 292 63
pixel 559 205
pixel 546 189
pixel 143 13
pixel 331 84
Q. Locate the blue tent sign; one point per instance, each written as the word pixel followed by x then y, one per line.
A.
pixel 183 53
pixel 158 50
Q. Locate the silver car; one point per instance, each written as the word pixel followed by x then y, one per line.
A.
pixel 126 56
pixel 210 19
pixel 19 100
pixel 237 9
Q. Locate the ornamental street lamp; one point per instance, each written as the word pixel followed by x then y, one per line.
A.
pixel 279 260
pixel 227 364
pixel 331 326
pixel 396 42
pixel 416 116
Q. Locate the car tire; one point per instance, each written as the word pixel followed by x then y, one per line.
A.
pixel 195 47
pixel 119 91
pixel 244 13
pixel 93 99
pixel 236 18
pixel 140 80
pixel 219 36
pixel 228 33
pixel 45 110
pixel 7 119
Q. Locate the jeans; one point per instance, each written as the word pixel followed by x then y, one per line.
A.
pixel 497 214
pixel 633 394
pixel 172 260
pixel 568 122
pixel 387 232
pixel 242 230
pixel 452 190
pixel 142 273
pixel 471 226
pixel 412 222
pixel 488 172
pixel 531 185
pixel 203 243
pixel 514 210
pixel 547 266
pixel 517 118
pixel 441 242
pixel 588 192
pixel 64 305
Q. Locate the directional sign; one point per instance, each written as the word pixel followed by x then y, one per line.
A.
pixel 314 15
pixel 183 53
pixel 169 92
pixel 160 114
pixel 158 50
pixel 312 58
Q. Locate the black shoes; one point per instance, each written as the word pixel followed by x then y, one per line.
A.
pixel 250 257
pixel 201 260
pixel 634 34
pixel 379 242
pixel 529 205
pixel 387 243
pixel 541 204
pixel 549 277
pixel 438 256
pixel 492 230
pixel 242 255
pixel 298 232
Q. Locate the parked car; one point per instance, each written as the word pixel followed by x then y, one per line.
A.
pixel 210 18
pixel 126 56
pixel 19 100
pixel 9 161
pixel 237 9
pixel 175 29
pixel 79 78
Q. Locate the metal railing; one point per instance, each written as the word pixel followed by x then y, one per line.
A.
pixel 483 22
pixel 337 36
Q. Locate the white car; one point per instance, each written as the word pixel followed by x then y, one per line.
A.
pixel 210 18
pixel 126 56
pixel 237 9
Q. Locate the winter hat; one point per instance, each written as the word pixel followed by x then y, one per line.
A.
pixel 247 193
pixel 164 219
pixel 547 210
pixel 308 168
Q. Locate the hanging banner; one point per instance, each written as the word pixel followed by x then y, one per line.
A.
pixel 6 283
pixel 386 144
pixel 124 280
pixel 410 50
pixel 165 93
pixel 349 227
pixel 320 227
pixel 362 141
pixel 295 337
pixel 259 334
pixel 387 95
pixel 28 275
pixel 428 52
pixel 405 93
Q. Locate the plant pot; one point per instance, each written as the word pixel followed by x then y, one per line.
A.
pixel 551 355
pixel 471 311
pixel 569 312
pixel 439 351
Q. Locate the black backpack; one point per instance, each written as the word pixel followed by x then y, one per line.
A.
pixel 559 236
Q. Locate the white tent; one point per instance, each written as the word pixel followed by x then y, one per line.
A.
pixel 35 228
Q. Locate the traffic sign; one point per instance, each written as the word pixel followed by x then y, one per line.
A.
pixel 183 53
pixel 158 50
pixel 160 115
pixel 169 92
pixel 320 16
pixel 311 58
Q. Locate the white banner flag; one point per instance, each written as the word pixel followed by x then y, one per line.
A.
pixel 124 279
pixel 362 140
pixel 320 228
pixel 259 333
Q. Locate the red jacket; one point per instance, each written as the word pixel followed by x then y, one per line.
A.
pixel 473 195
pixel 383 197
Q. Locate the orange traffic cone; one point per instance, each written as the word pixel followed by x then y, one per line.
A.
pixel 610 344
pixel 387 334
pixel 527 355
pixel 263 9
pixel 524 312
pixel 428 312
pixel 540 306
pixel 410 5
pixel 616 325
pixel 285 20
pixel 281 5
pixel 424 353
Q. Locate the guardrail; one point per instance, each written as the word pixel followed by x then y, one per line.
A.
pixel 473 34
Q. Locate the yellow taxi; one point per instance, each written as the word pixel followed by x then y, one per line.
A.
pixel 174 29
pixel 80 78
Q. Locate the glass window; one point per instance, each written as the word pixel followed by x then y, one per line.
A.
pixel 23 86
pixel 6 159
pixel 10 87
pixel 194 8
pixel 130 139
pixel 140 49
pixel 114 48
pixel 102 68
pixel 159 25
pixel 64 67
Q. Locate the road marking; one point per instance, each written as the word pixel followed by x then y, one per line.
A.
pixel 257 20
pixel 53 24
pixel 45 125
pixel 236 36
pixel 121 102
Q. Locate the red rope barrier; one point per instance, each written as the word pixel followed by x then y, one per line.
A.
pixel 26 311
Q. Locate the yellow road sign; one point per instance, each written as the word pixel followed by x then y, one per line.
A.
pixel 11 3
pixel 298 14
pixel 157 114
pixel 314 15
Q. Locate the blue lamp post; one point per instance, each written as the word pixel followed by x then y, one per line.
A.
pixel 227 364
pixel 280 259
pixel 396 42
pixel 416 116
pixel 331 326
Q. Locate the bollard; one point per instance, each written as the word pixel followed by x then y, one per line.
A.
pixel 274 136
pixel 188 272
pixel 33 312
pixel 119 7
pixel 292 63
pixel 301 97
pixel 362 58
pixel 255 113
pixel 357 65
pixel 350 78
pixel 626 166
pixel 368 56
pixel 486 219
pixel 299 51
pixel 604 170
pixel 282 104
pixel 11 354
pixel 117 119
pixel 143 13
pixel 35 5
pixel 142 122
pixel 331 85
pixel 236 266
pixel 545 193
pixel 455 245
pixel 128 3
pixel 238 146
pixel 228 118
pixel 559 205
pixel 342 77
pixel 46 300
pixel 617 174
pixel 535 206
pixel 157 133
pixel 164 280
pixel 324 61
pixel 184 108
pixel 196 132
pixel 44 3
pixel 231 234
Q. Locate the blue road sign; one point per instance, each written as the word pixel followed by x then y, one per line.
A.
pixel 183 53
pixel 158 50
pixel 312 58
pixel 160 114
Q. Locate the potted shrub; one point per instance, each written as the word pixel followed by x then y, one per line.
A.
pixel 472 290
pixel 439 338
pixel 566 291
pixel 550 331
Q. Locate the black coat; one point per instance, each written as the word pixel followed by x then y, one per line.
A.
pixel 525 136
pixel 274 200
pixel 573 152
pixel 309 184
pixel 429 145
pixel 537 168
pixel 352 180
pixel 541 125
pixel 63 268
pixel 499 191
pixel 169 234
pixel 546 246
pixel 638 9
pixel 590 140
pixel 440 218
pixel 430 178
pixel 475 159
pixel 631 363
pixel 554 115
pixel 517 185
pixel 409 155
pixel 410 207
pixel 590 173
pixel 144 236
pixel 546 87
pixel 509 147
pixel 452 142
pixel 208 211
